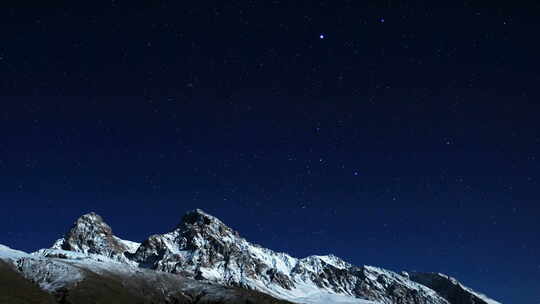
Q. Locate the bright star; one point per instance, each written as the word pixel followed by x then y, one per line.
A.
pixel 321 36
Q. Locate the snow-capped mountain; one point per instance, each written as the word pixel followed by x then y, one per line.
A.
pixel 66 277
pixel 203 249
pixel 91 235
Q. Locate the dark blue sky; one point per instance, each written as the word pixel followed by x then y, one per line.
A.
pixel 407 138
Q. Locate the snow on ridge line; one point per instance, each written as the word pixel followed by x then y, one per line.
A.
pixel 130 245
pixel 482 296
pixel 39 267
pixel 11 254
pixel 49 274
pixel 284 263
pixel 61 267
pixel 60 259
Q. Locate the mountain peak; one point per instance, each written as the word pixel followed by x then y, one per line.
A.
pixel 205 224
pixel 198 216
pixel 91 235
pixel 91 216
pixel 90 224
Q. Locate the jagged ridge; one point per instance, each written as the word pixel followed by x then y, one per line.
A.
pixel 204 248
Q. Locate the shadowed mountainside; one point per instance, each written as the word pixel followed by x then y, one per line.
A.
pixel 106 289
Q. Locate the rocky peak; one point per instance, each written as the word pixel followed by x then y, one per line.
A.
pixel 91 235
pixel 199 217
pixel 91 222
pixel 198 228
pixel 203 222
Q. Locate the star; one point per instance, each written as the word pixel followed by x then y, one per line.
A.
pixel 321 36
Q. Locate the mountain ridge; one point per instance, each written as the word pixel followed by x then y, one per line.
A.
pixel 201 247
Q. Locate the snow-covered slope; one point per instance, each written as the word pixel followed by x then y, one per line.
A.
pixel 80 278
pixel 49 274
pixel 204 249
pixel 10 255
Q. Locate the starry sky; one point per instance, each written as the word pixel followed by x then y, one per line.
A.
pixel 397 136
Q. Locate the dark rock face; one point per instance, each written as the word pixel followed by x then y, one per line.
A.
pixel 447 287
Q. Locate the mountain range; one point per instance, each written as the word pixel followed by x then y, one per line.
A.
pixel 202 260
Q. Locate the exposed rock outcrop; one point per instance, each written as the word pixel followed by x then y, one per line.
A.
pixel 91 235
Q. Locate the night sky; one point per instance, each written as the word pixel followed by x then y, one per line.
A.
pixel 401 137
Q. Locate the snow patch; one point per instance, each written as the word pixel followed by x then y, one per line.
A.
pixel 131 246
